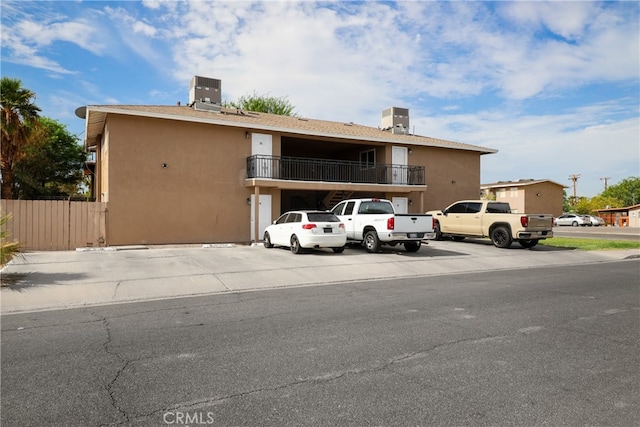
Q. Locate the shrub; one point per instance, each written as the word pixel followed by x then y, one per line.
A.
pixel 7 249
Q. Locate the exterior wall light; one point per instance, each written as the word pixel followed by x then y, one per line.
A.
pixel 247 135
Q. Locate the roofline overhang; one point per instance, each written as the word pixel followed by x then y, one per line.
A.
pixel 519 184
pixel 211 120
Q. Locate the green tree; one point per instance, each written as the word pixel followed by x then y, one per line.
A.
pixel 603 202
pixel 18 121
pixel 626 191
pixel 52 164
pixel 263 104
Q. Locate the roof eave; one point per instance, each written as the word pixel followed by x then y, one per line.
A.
pixel 102 111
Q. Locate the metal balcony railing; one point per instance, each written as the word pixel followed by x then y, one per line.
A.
pixel 304 169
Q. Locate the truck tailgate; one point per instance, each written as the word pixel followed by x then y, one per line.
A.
pixel 540 222
pixel 414 223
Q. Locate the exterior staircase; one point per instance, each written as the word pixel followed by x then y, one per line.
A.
pixel 335 197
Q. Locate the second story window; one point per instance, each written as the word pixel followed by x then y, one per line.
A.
pixel 368 159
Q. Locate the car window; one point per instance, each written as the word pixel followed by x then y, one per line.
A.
pixel 322 217
pixel 473 207
pixel 337 209
pixel 457 208
pixel 375 207
pixel 294 217
pixel 498 208
pixel 349 209
pixel 282 219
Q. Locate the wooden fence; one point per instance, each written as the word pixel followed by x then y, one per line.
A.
pixel 55 225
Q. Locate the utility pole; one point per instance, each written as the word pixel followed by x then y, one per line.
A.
pixel 574 178
pixel 606 182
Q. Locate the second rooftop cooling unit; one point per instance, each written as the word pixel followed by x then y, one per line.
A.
pixel 205 93
pixel 396 119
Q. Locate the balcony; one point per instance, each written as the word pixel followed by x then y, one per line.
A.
pixel 304 169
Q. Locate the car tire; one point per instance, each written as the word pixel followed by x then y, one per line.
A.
pixel 528 243
pixel 438 232
pixel 267 241
pixel 574 223
pixel 338 250
pixel 295 245
pixel 412 246
pixel 371 241
pixel 501 237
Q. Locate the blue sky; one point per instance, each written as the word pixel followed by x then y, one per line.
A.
pixel 554 86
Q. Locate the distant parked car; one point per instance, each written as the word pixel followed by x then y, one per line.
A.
pixel 301 230
pixel 596 221
pixel 573 220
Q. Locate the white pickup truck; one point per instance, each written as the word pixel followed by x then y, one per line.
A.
pixel 486 218
pixel 373 222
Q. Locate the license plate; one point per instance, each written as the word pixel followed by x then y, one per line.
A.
pixel 328 230
pixel 415 235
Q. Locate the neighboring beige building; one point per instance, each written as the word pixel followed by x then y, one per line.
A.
pixel 192 174
pixel 621 217
pixel 527 195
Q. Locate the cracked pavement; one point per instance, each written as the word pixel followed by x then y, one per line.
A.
pixel 530 347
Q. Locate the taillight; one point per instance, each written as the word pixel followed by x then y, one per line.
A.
pixel 390 223
pixel 524 221
pixel 341 225
pixel 433 223
pixel 308 226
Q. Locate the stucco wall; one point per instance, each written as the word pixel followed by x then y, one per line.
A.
pixel 198 197
pixel 451 175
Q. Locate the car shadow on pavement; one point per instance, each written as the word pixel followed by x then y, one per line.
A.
pixel 514 245
pixel 22 282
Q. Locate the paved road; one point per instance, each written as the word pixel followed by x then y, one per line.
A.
pixel 534 346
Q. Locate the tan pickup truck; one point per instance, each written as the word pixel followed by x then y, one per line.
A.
pixel 486 218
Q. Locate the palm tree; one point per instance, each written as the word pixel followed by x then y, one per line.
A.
pixel 19 115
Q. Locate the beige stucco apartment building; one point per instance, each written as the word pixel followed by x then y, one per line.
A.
pixel 193 173
pixel 528 195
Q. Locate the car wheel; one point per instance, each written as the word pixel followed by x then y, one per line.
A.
pixel 338 250
pixel 501 237
pixel 267 241
pixel 295 245
pixel 574 223
pixel 528 243
pixel 412 246
pixel 371 241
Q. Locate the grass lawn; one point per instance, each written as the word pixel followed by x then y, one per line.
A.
pixel 590 244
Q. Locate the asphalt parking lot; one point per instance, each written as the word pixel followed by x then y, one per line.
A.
pixel 54 280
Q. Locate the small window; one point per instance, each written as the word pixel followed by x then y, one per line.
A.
pixel 282 219
pixel 349 209
pixel 498 207
pixel 457 208
pixel 375 208
pixel 295 217
pixel 367 159
pixel 337 209
pixel 322 217
pixel 473 207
